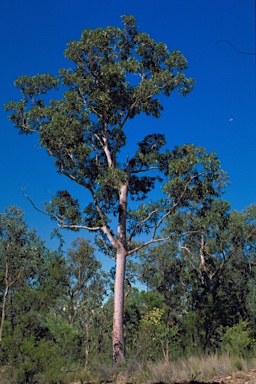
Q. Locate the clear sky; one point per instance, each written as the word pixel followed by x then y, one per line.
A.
pixel 219 114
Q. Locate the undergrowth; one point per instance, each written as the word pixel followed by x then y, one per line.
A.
pixel 200 369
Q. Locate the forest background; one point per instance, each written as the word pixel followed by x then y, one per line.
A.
pixel 149 311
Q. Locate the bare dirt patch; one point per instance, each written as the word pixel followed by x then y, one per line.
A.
pixel 238 377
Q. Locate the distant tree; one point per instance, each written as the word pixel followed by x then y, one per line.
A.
pixel 20 254
pixel 206 273
pixel 116 74
pixel 31 280
pixel 220 257
pixel 28 345
pixel 85 290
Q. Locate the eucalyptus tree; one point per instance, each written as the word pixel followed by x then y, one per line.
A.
pixel 116 74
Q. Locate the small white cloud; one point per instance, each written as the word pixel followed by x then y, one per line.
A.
pixel 231 120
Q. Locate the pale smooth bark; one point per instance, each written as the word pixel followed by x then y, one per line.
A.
pixel 118 329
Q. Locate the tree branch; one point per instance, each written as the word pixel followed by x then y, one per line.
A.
pixel 58 219
pixel 153 241
pixel 142 222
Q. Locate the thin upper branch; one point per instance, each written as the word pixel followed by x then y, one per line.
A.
pixel 159 240
pixel 59 220
pixel 142 222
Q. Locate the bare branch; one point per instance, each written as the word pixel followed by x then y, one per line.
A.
pixel 129 289
pixel 202 253
pixel 72 226
pixel 185 248
pixel 73 178
pixel 160 240
pixel 59 220
pixel 109 236
pixel 36 207
pixel 106 248
pixel 107 152
pixel 142 222
pixel 144 170
pixel 232 45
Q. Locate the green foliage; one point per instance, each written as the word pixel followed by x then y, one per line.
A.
pixel 237 340
pixel 116 75
pixel 48 300
pixel 152 320
pixel 206 272
pixel 194 176
pixel 67 338
pixel 67 207
pixel 37 357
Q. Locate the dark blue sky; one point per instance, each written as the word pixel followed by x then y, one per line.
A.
pixel 219 114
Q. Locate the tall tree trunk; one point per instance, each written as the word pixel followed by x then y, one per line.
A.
pixel 118 328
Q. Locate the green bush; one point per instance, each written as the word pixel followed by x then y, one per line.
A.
pixel 237 340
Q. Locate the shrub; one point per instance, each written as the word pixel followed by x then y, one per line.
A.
pixel 237 340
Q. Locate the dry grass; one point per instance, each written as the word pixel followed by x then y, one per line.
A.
pixel 200 369
pixel 184 370
pixel 195 368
